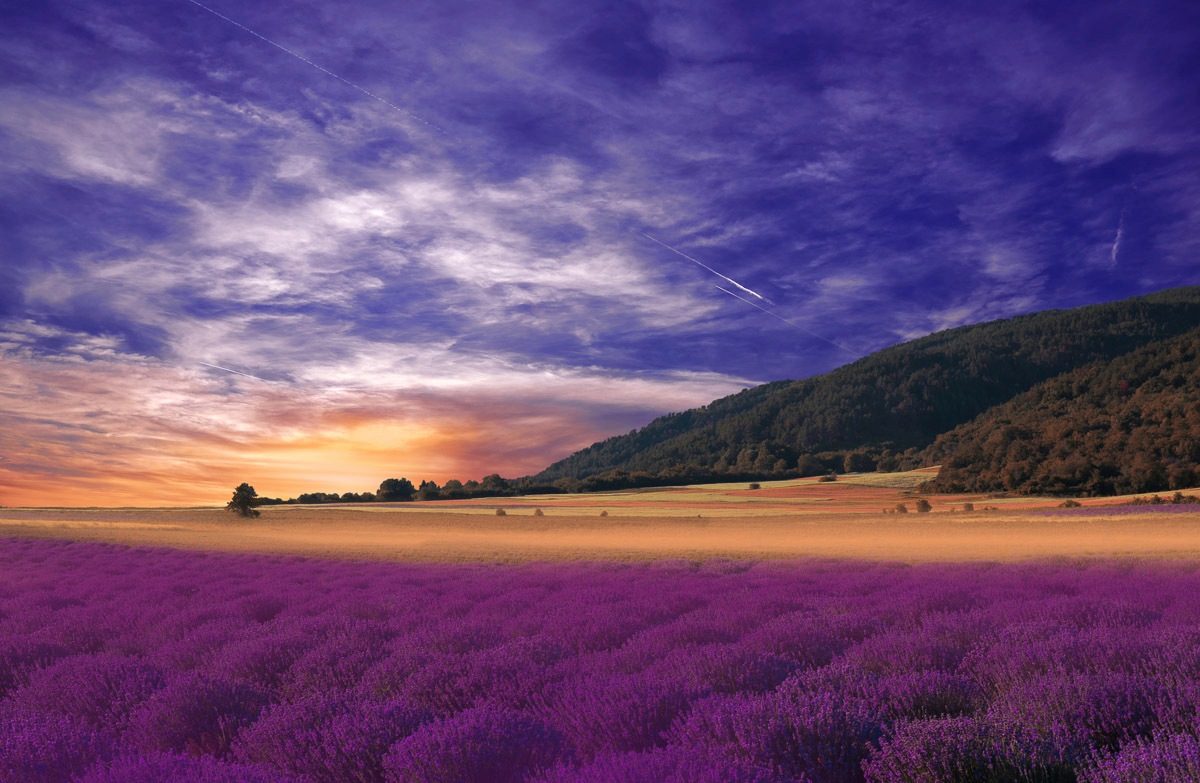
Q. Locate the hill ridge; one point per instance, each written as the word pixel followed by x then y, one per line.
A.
pixel 883 410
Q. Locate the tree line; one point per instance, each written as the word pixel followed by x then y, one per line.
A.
pixel 402 490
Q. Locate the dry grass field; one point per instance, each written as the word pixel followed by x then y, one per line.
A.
pixel 787 519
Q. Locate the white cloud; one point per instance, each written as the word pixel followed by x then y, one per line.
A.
pixel 113 136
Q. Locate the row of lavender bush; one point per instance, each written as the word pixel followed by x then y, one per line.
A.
pixel 141 665
pixel 1124 510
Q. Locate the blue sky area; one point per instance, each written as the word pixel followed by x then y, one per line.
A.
pixel 444 239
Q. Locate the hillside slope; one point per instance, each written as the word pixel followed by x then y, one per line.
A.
pixel 1128 425
pixel 889 405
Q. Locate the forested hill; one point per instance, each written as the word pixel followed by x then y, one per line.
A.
pixel 886 407
pixel 1129 425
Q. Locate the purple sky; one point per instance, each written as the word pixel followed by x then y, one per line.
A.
pixel 424 225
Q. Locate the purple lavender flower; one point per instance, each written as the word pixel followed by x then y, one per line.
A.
pixel 1162 759
pixel 482 745
pixel 170 768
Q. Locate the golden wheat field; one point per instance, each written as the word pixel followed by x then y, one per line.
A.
pixel 786 519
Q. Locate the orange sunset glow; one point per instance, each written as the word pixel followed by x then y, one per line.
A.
pixel 151 434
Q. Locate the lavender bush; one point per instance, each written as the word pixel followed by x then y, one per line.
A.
pixel 121 664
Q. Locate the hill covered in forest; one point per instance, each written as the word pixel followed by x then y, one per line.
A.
pixel 1118 427
pixel 887 410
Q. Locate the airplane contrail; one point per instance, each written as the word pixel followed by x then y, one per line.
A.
pixel 1116 245
pixel 729 280
pixel 773 314
pixel 322 69
pixel 235 372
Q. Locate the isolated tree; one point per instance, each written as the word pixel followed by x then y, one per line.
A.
pixel 923 506
pixel 243 501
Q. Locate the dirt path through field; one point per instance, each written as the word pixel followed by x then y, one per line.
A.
pixel 424 535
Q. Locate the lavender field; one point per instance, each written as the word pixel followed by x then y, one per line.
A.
pixel 135 665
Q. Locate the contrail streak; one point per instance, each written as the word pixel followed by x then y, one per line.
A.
pixel 323 70
pixel 729 280
pixel 786 321
pixel 1116 245
pixel 235 372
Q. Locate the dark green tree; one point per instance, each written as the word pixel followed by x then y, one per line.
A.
pixel 808 465
pixel 858 462
pixel 242 502
pixel 396 489
pixel 429 490
pixel 494 484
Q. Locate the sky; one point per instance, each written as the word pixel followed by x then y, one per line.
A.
pixel 311 246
